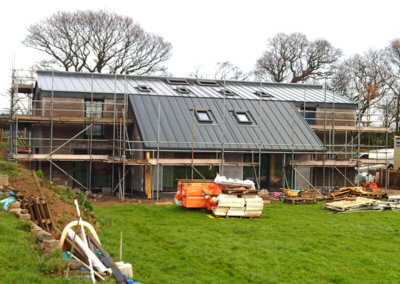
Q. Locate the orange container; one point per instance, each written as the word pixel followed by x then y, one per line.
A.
pixel 194 202
pixel 193 193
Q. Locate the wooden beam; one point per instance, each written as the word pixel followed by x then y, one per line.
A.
pixel 147 178
pixel 66 119
pixel 61 157
pixel 338 163
pixel 350 128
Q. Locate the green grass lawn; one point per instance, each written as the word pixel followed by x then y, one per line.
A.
pixel 302 243
pixel 20 261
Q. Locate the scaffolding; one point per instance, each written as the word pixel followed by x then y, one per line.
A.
pixel 28 112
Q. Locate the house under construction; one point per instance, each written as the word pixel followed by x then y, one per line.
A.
pixel 128 134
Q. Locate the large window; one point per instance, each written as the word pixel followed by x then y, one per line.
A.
pixel 94 109
pixel 309 114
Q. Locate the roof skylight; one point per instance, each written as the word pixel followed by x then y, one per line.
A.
pixel 243 116
pixel 144 88
pixel 263 94
pixel 178 81
pixel 209 83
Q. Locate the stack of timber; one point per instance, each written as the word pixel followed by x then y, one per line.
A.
pixel 356 205
pixel 358 191
pixel 238 202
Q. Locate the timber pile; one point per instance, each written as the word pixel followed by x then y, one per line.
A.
pixel 358 204
pixel 348 192
pixel 238 202
pixel 299 200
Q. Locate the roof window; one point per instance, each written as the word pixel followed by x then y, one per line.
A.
pixel 263 94
pixel 227 92
pixel 182 90
pixel 209 83
pixel 177 81
pixel 243 116
pixel 203 115
pixel 144 88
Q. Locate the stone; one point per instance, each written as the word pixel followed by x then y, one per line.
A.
pixel 42 236
pixel 76 190
pixel 15 204
pixel 36 230
pixel 24 211
pixel 51 244
pixel 4 180
pixel 15 211
pixel 24 216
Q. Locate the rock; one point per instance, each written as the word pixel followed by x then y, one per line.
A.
pixel 42 236
pixel 15 204
pixel 51 245
pixel 24 211
pixel 36 230
pixel 24 216
pixel 76 190
pixel 15 211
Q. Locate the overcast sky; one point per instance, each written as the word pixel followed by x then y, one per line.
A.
pixel 205 32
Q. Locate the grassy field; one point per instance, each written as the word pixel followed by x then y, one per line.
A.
pixel 20 261
pixel 302 243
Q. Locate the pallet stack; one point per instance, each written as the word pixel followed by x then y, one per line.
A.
pixel 238 202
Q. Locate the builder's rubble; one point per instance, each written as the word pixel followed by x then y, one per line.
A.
pixel 357 204
pixel 358 191
pixel 84 251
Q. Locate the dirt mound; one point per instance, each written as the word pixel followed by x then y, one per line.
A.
pixel 62 211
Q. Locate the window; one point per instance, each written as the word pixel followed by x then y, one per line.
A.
pixel 182 90
pixel 243 116
pixel 309 114
pixel 178 81
pixel 227 92
pixel 94 109
pixel 209 83
pixel 263 94
pixel 203 115
pixel 144 88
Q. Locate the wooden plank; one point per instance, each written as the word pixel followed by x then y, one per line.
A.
pixel 61 157
pixel 171 161
pixel 66 119
pixel 338 163
pixel 350 128
pixel 147 178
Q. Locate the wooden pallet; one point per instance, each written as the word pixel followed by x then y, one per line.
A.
pixel 299 200
pixel 39 211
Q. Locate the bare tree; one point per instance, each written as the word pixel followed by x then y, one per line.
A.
pixel 392 53
pixel 293 58
pixel 224 70
pixel 98 41
pixel 363 79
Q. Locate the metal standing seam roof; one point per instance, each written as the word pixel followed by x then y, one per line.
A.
pixel 276 126
pixel 78 83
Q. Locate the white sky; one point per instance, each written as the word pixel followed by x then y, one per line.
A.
pixel 204 32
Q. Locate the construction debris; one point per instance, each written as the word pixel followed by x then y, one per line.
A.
pixel 358 204
pixel 346 192
pixel 299 200
pixel 86 251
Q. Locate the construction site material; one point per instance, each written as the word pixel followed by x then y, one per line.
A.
pixel 196 194
pixel 290 192
pixel 358 204
pixel 238 205
pixel 346 192
pixel 39 212
pixel 299 200
pixel 229 182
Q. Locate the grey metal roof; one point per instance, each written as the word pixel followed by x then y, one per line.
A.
pixel 276 125
pixel 78 83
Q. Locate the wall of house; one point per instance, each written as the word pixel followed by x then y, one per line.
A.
pixel 335 116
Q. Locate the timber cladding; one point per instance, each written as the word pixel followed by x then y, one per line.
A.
pixel 75 107
pixel 336 116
